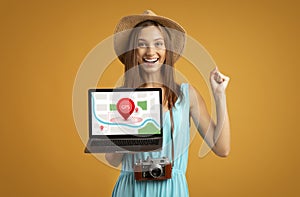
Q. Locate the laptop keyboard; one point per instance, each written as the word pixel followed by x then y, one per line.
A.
pixel 124 142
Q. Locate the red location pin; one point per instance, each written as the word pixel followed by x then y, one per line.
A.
pixel 125 107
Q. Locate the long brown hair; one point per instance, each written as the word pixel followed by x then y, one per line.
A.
pixel 133 78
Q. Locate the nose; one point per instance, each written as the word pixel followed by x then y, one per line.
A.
pixel 150 51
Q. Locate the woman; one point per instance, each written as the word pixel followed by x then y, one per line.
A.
pixel 149 45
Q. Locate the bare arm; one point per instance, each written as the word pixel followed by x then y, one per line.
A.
pixel 216 135
pixel 114 159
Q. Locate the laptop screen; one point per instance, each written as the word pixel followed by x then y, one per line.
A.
pixel 121 112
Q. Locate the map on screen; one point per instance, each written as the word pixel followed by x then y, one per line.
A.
pixel 125 113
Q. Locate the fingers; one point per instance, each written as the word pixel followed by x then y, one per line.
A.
pixel 218 77
pixel 223 77
pixel 213 74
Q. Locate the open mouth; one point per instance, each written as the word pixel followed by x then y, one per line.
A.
pixel 152 60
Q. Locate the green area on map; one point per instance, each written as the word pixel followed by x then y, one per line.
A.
pixel 112 107
pixel 149 128
pixel 142 104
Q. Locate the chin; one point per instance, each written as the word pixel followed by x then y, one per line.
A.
pixel 151 68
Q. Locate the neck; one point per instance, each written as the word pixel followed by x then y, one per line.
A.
pixel 153 85
pixel 153 80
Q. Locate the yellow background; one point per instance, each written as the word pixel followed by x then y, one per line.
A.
pixel 43 43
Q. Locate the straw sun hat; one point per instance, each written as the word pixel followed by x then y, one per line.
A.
pixel 127 23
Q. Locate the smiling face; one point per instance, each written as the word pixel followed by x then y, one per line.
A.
pixel 151 50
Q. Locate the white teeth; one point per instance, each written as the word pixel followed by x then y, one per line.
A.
pixel 151 60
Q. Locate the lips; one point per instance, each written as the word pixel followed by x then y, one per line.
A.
pixel 150 60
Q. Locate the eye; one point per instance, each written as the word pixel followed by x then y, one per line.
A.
pixel 159 44
pixel 142 44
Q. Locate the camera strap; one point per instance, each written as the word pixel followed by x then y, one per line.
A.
pixel 172 131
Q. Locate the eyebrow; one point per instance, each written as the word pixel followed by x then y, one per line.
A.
pixel 142 39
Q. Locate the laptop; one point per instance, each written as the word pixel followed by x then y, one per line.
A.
pixel 124 120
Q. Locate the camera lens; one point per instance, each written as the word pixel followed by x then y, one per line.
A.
pixel 155 171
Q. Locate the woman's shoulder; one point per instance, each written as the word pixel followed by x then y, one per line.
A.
pixel 194 96
pixel 187 88
pixel 184 87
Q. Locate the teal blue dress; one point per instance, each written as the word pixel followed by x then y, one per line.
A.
pixel 127 186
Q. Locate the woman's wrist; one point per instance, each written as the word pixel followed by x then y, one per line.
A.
pixel 220 97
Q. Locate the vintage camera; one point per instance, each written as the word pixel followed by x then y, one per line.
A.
pixel 153 169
